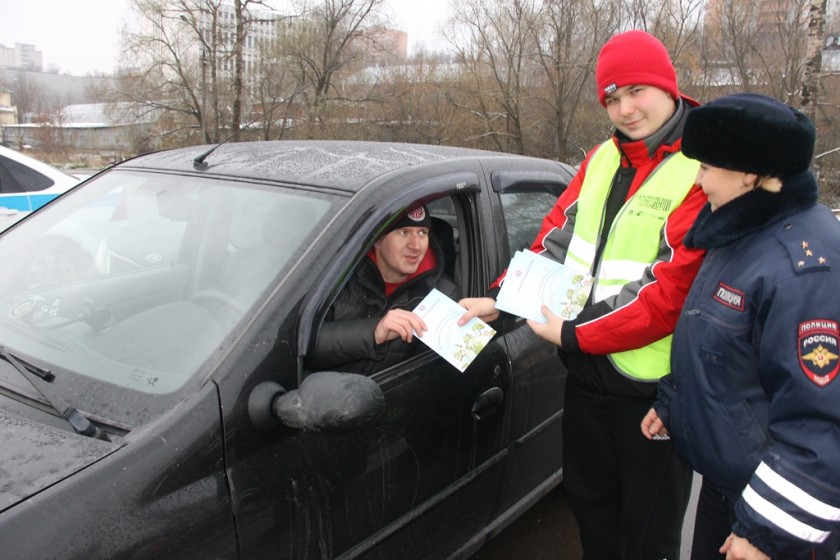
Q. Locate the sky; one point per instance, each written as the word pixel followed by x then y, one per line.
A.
pixel 81 37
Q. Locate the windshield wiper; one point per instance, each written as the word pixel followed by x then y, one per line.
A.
pixel 33 374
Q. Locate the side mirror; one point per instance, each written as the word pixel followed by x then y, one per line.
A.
pixel 326 401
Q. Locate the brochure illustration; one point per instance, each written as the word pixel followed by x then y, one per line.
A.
pixel 459 345
pixel 533 280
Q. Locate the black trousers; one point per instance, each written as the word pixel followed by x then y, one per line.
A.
pixel 713 524
pixel 629 494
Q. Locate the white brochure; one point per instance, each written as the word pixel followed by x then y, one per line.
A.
pixel 533 280
pixel 459 345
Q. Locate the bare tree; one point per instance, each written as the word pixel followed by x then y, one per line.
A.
pixel 759 46
pixel 326 43
pixel 496 48
pixel 243 32
pixel 189 61
pixel 731 33
pixel 27 95
pixel 414 101
pixel 169 54
pixel 809 92
pixel 568 37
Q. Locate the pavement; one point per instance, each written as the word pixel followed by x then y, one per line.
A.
pixel 548 531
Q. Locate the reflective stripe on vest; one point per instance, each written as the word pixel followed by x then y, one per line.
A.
pixel 633 241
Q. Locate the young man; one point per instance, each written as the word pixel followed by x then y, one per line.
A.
pixel 370 324
pixel 622 219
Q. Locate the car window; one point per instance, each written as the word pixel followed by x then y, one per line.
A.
pixel 524 211
pixel 24 178
pixel 446 230
pixel 118 281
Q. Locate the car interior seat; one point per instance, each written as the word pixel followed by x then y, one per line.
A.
pixel 444 234
pixel 262 242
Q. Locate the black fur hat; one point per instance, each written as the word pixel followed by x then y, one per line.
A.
pixel 750 133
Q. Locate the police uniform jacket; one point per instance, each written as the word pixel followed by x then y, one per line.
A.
pixel 753 398
pixel 346 340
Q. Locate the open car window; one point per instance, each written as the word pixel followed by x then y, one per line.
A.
pixel 448 226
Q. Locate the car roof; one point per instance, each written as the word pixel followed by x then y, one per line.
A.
pixel 341 165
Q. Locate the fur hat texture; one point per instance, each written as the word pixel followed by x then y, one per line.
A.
pixel 750 133
pixel 635 58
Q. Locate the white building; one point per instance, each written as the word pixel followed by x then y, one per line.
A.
pixel 24 57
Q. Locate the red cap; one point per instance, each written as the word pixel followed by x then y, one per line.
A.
pixel 635 58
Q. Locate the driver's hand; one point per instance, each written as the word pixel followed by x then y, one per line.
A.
pixel 398 323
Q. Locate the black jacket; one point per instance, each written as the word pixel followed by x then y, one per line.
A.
pixel 346 341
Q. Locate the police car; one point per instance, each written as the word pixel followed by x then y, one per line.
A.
pixel 26 184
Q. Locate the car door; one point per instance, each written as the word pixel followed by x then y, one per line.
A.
pixel 521 196
pixel 420 480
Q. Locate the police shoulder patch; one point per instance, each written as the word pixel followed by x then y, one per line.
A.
pixel 805 250
pixel 819 350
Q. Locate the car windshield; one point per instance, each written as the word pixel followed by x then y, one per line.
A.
pixel 137 280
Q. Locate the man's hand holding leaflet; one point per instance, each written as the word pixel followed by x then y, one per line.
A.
pixel 459 345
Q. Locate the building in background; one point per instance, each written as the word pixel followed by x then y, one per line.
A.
pixel 263 29
pixel 384 46
pixel 8 112
pixel 21 57
pixel 102 132
pixel 831 54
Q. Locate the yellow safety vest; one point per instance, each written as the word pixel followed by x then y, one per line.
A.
pixel 633 241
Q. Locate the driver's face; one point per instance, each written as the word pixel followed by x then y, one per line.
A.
pixel 400 252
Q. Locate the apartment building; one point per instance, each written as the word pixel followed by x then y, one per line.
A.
pixel 22 57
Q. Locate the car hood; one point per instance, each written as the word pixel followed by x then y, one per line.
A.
pixel 34 456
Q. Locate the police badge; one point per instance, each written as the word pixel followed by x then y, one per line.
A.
pixel 819 350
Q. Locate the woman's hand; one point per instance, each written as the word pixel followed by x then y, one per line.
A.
pixel 652 426
pixel 739 548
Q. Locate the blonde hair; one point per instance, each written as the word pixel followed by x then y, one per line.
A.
pixel 769 184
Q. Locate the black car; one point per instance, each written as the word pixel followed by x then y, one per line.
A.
pixel 153 329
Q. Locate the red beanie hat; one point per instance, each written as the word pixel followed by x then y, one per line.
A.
pixel 634 58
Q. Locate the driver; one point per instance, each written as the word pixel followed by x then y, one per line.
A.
pixel 370 325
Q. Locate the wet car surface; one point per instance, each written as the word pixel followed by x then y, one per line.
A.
pixel 154 324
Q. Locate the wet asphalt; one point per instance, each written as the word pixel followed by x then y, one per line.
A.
pixel 548 531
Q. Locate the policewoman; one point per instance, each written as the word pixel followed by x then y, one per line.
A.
pixel 753 399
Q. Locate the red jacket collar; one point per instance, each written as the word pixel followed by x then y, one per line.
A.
pixel 428 263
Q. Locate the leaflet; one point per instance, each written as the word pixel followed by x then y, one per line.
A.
pixel 533 280
pixel 459 345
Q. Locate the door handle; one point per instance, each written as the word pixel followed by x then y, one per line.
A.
pixel 487 403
